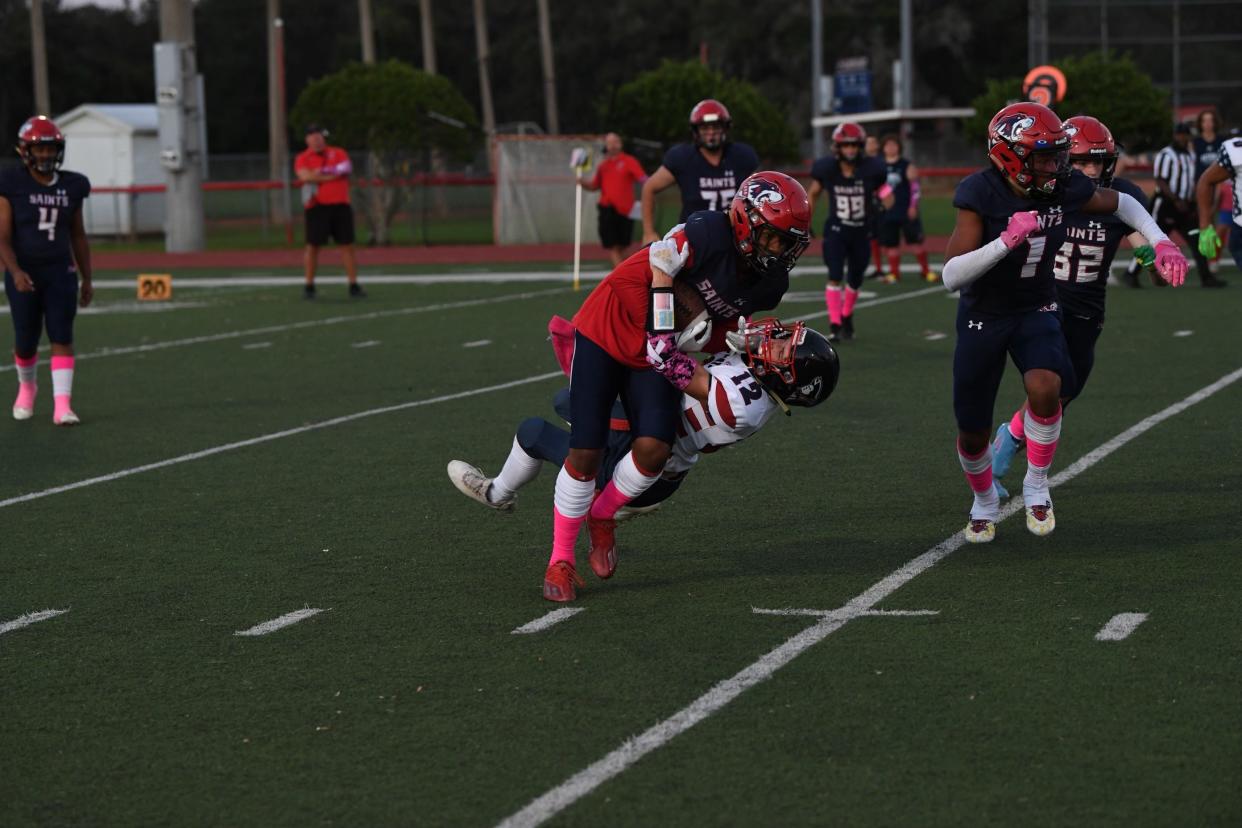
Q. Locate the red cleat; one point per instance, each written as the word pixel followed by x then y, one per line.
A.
pixel 603 555
pixel 561 581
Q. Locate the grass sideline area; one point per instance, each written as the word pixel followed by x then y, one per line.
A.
pixel 409 700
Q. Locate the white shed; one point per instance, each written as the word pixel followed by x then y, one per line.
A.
pixel 116 145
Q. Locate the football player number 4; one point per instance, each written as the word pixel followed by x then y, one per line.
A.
pixel 47 221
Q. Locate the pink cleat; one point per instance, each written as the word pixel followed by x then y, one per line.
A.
pixel 23 406
pixel 63 415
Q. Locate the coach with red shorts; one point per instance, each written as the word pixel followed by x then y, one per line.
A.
pixel 615 178
pixel 324 173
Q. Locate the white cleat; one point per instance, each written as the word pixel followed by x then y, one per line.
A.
pixel 66 419
pixel 980 530
pixel 22 413
pixel 1040 520
pixel 475 485
pixel 630 512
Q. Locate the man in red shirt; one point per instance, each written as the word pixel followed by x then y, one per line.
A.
pixel 324 173
pixel 615 178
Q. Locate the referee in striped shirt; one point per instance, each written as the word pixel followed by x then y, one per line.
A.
pixel 1174 202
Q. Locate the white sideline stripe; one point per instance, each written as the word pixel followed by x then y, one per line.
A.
pixel 1120 626
pixel 310 323
pixel 591 777
pixel 554 617
pixel 826 613
pixel 28 619
pixel 267 438
pixel 871 303
pixel 288 619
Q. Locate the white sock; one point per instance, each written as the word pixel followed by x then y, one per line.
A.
pixel 629 480
pixel 519 469
pixel 62 382
pixel 573 496
pixel 27 373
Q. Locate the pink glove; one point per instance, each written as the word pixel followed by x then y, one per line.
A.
pixel 670 363
pixel 1020 226
pixel 1170 263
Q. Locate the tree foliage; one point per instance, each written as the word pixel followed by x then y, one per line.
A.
pixel 399 115
pixel 656 106
pixel 1106 87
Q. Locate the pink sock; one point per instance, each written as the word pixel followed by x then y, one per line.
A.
pixel 572 501
pixel 1017 425
pixel 26 384
pixel 1042 434
pixel 629 480
pixel 564 536
pixel 62 384
pixel 978 469
pixel 832 295
pixel 851 298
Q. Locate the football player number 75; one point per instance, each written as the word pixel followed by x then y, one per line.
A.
pixel 47 221
pixel 717 199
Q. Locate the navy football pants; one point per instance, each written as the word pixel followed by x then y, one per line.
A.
pixel 651 402
pixel 846 252
pixel 53 303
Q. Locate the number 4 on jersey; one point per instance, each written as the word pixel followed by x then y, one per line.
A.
pixel 47 221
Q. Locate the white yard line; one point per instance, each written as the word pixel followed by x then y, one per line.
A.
pixel 28 619
pixel 267 438
pixel 591 777
pixel 310 323
pixel 288 619
pixel 1120 626
pixel 370 343
pixel 477 343
pixel 542 623
pixel 871 303
pixel 254 346
pixel 815 613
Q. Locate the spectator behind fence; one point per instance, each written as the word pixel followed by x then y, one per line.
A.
pixel 615 178
pixel 324 172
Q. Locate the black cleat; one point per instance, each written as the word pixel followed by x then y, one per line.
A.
pixel 308 292
pixel 847 327
pixel 356 291
pixel 834 332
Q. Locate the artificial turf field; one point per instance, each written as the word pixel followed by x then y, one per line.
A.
pixel 410 701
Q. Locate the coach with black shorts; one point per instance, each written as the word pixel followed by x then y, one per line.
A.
pixel 324 173
pixel 615 178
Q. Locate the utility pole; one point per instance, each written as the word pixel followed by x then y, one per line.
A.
pixel 277 128
pixel 907 69
pixel 180 127
pixel 366 25
pixel 549 69
pixel 429 37
pixel 485 81
pixel 38 59
pixel 817 75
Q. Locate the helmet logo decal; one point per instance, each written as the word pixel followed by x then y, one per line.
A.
pixel 1011 127
pixel 762 191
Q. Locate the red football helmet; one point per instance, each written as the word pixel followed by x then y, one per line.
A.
pixel 713 112
pixel 1090 140
pixel 771 218
pixel 40 131
pixel 1030 146
pixel 849 134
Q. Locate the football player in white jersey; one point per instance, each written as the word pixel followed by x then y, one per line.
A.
pixel 774 365
pixel 1228 167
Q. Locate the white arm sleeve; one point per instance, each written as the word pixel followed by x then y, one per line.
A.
pixel 1133 214
pixel 961 270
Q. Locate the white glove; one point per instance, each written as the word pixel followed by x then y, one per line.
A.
pixel 665 255
pixel 736 340
pixel 696 335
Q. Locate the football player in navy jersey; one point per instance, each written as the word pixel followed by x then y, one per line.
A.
pixel 44 250
pixel 624 342
pixel 902 219
pixel 1085 245
pixel 852 181
pixel 706 171
pixel 1000 259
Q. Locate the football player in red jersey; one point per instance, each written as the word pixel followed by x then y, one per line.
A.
pixel 706 170
pixel 625 344
pixel 44 251
pixel 1000 260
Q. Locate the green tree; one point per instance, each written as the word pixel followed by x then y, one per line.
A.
pixel 1106 87
pixel 399 115
pixel 656 105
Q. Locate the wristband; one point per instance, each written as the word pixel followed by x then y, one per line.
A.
pixel 660 311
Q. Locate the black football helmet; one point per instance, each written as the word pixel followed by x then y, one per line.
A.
pixel 796 363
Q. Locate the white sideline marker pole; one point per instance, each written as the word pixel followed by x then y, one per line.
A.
pixel 542 623
pixel 28 619
pixel 286 620
pixel 560 797
pixel 579 160
pixel 1120 626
